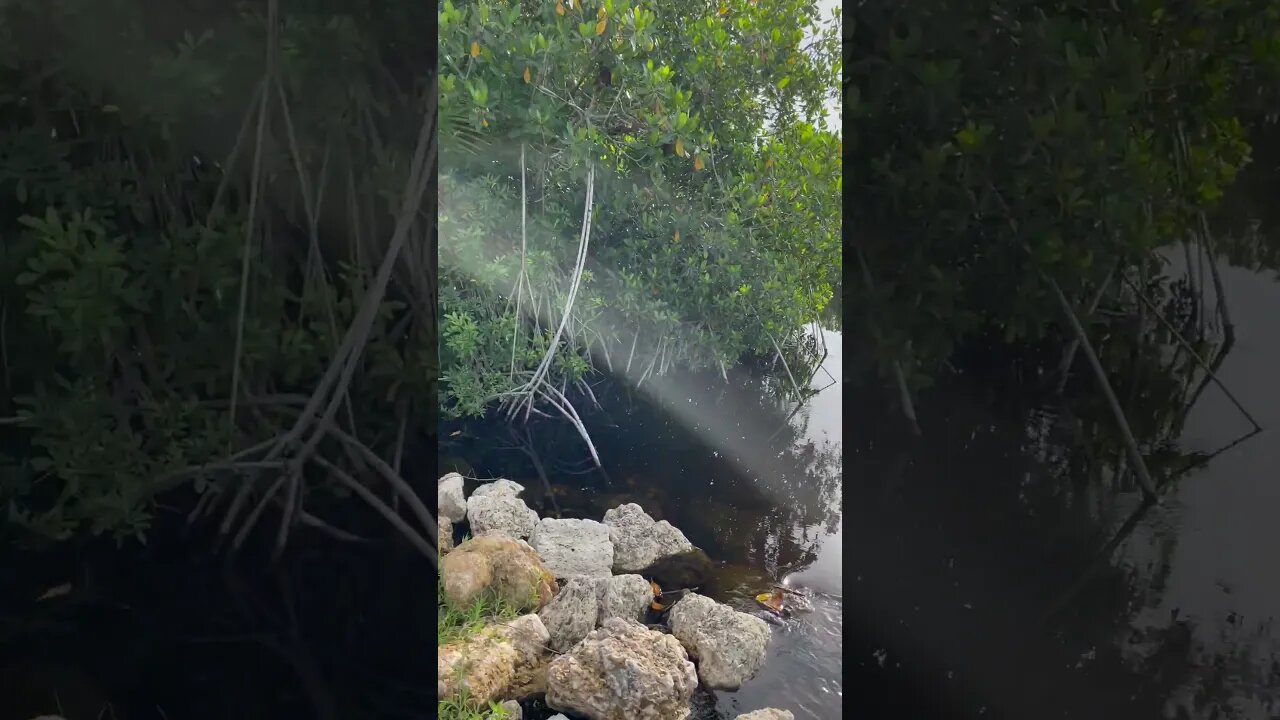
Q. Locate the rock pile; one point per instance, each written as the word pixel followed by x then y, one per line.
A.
pixel 581 581
pixel 505 567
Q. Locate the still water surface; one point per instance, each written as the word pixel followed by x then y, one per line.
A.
pixel 977 585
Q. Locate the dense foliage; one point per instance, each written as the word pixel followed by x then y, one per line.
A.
pixel 194 198
pixel 999 148
pixel 715 224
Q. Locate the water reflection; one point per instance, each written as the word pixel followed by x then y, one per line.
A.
pixel 1220 526
pixel 1005 567
pixel 755 484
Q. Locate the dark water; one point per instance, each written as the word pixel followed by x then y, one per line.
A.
pixel 698 452
pixel 174 631
pixel 998 568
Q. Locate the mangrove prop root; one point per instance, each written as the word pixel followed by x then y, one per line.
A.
pixel 1212 376
pixel 899 376
pixel 337 378
pixel 1069 357
pixel 1131 444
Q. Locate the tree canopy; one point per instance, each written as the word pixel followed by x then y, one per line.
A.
pixel 694 128
pixel 996 149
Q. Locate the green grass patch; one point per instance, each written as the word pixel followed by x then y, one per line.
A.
pixel 456 622
pixel 461 708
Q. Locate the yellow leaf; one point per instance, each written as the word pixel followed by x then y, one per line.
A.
pixel 772 600
pixel 791 60
pixel 680 147
pixel 600 26
pixel 475 49
pixel 697 162
pixel 768 163
pixel 484 122
pixel 676 237
pixel 600 13
pixel 724 9
pixel 527 75
pixel 560 8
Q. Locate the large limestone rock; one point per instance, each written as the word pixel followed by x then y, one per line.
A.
pixel 768 714
pixel 625 596
pixel 623 671
pixel 638 540
pixel 690 569
pixel 500 486
pixel 506 567
pixel 446 535
pixel 584 603
pixel 531 681
pixel 573 612
pixel 573 548
pixel 485 663
pixel 500 512
pixel 450 501
pixel 729 646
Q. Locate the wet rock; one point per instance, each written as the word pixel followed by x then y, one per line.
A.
pixel 514 712
pixel 768 617
pixel 506 567
pixel 768 714
pixel 689 569
pixel 485 663
pixel 625 596
pixel 729 646
pixel 638 540
pixel 446 534
pixel 501 486
pixel 450 501
pixel 623 671
pixel 573 548
pixel 500 512
pixel 573 613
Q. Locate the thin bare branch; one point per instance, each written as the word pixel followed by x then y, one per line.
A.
pixel 1100 374
pixel 380 507
pixel 394 479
